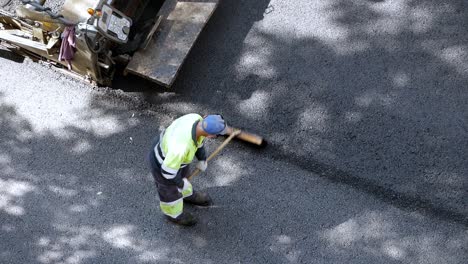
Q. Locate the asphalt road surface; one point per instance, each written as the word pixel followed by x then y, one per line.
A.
pixel 363 104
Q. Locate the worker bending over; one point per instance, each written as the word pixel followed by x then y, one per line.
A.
pixel 170 155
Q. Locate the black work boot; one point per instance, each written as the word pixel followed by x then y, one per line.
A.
pixel 199 198
pixel 184 219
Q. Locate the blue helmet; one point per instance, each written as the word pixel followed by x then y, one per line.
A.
pixel 214 125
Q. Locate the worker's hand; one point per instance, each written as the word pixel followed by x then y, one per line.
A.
pixel 202 165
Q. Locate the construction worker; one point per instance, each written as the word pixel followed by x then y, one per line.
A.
pixel 170 155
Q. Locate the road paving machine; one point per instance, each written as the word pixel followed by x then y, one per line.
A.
pixel 92 39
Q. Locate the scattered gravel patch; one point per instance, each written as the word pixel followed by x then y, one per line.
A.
pixel 10 5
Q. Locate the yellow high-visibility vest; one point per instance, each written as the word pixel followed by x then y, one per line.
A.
pixel 178 146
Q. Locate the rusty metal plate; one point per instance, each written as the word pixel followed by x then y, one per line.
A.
pixel 177 33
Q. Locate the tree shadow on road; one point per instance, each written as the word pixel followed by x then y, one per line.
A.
pixel 366 111
pixel 86 197
pixel 362 90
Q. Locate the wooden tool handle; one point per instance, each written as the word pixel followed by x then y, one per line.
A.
pixel 234 133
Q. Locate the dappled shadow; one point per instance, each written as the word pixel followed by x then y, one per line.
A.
pixel 298 220
pixel 84 196
pixel 355 110
pixel 57 203
pixel 360 90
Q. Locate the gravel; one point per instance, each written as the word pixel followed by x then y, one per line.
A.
pixel 10 5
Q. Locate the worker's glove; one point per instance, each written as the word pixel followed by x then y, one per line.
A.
pixel 202 165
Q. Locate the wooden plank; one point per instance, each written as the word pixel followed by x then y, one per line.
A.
pixel 178 31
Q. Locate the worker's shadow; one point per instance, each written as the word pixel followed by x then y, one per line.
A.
pixel 11 56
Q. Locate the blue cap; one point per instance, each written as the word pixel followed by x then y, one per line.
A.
pixel 214 125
